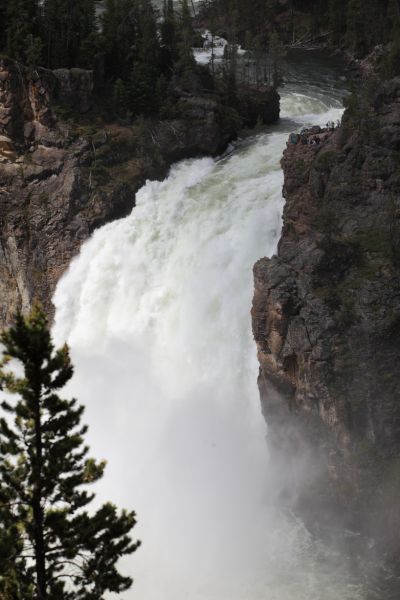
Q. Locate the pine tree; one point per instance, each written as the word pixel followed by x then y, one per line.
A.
pixel 337 18
pixel 356 30
pixel 276 55
pixel 13 581
pixel 120 35
pixel 3 36
pixel 67 26
pixel 147 65
pixel 393 17
pixel 185 63
pixel 21 20
pixel 169 43
pixel 391 63
pixel 187 31
pixel 120 98
pixel 60 551
pixel 87 43
pixel 229 76
pixel 33 51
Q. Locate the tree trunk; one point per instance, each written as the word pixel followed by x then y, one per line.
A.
pixel 38 514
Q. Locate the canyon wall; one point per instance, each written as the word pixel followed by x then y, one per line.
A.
pixel 62 176
pixel 326 316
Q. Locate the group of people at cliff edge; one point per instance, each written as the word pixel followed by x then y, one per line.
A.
pixel 312 136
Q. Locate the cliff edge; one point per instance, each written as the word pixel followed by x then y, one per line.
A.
pixel 326 318
pixel 62 176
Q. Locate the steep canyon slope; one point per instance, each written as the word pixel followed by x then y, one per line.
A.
pixel 326 316
pixel 61 177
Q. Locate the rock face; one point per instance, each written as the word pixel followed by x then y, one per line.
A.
pixel 60 180
pixel 259 104
pixel 326 317
pixel 26 100
pixel 75 88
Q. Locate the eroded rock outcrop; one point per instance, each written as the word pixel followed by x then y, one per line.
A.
pixel 326 317
pixel 59 180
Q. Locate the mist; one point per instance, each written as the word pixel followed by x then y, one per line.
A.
pixel 156 310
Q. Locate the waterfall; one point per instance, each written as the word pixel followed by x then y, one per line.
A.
pixel 156 310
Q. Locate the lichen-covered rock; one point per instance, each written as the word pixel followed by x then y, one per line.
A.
pixel 326 316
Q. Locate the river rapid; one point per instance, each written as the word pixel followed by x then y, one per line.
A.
pixel 156 310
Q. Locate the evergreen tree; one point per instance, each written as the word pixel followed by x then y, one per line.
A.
pixel 120 35
pixel 21 20
pixel 87 43
pixel 229 76
pixel 393 17
pixel 59 551
pixel 169 42
pixel 3 22
pixel 187 31
pixel 67 26
pixel 356 26
pixel 337 18
pixel 147 62
pixel 185 62
pixel 120 98
pixel 276 54
pixel 13 582
pixel 391 63
pixel 33 51
pixel 147 43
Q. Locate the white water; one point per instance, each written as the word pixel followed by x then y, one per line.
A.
pixel 156 309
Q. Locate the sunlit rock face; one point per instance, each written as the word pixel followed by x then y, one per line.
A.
pixel 326 314
pixel 50 199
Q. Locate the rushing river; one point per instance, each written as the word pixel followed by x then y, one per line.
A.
pixel 156 309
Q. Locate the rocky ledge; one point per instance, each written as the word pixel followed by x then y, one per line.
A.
pixel 61 178
pixel 326 319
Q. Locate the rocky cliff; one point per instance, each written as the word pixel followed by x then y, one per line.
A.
pixel 326 317
pixel 60 179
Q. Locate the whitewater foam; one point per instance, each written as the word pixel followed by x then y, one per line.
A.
pixel 156 311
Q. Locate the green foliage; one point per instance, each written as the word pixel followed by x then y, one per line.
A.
pixel 169 37
pixel 337 18
pixel 66 28
pixel 358 25
pixel 391 63
pixel 277 54
pixel 229 77
pixel 33 51
pixel 143 87
pixel 355 26
pixel 186 34
pixel 52 548
pixel 21 20
pixel 120 98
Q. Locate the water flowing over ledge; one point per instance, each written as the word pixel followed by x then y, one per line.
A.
pixel 156 310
